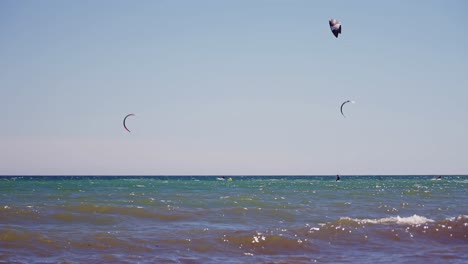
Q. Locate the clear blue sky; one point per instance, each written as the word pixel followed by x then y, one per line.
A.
pixel 233 87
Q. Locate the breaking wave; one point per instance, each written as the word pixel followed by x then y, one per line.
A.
pixel 411 220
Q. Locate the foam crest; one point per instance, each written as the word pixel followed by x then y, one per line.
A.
pixel 410 220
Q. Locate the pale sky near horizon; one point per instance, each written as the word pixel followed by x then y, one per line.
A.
pixel 233 87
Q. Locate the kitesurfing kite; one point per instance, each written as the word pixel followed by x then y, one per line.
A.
pixel 125 126
pixel 345 102
pixel 335 27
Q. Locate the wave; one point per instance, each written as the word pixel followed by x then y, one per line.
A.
pixel 267 243
pixel 89 213
pixel 347 231
pixel 13 214
pixel 411 220
pixel 413 233
pixel 448 230
pixel 138 212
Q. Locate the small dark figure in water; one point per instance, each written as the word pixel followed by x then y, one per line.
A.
pixel 337 177
pixel 439 177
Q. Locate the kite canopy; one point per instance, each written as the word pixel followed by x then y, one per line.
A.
pixel 125 126
pixel 335 27
pixel 345 102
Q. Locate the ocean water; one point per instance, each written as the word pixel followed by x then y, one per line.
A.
pixel 256 219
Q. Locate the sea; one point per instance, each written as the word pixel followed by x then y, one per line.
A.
pixel 233 219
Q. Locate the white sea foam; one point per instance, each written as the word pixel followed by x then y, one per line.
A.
pixel 460 217
pixel 410 220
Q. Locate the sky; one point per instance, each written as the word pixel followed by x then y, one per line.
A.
pixel 248 87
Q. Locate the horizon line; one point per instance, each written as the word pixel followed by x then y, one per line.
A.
pixel 214 175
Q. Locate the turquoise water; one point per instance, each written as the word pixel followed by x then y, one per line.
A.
pixel 251 219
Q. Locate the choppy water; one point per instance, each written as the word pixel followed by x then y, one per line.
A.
pixel 383 219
